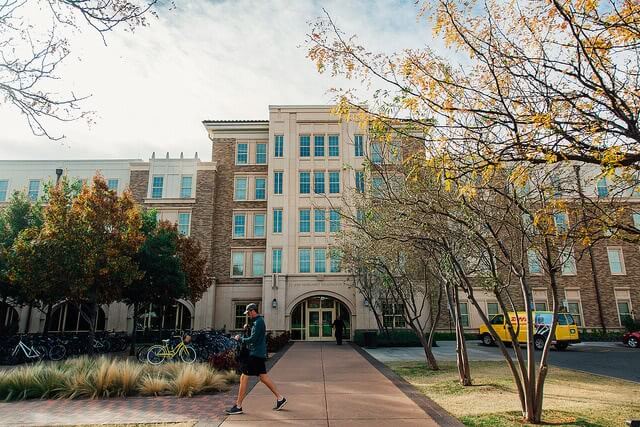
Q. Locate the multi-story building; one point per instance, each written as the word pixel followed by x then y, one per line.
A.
pixel 266 210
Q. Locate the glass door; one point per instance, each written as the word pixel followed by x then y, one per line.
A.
pixel 314 324
pixel 327 322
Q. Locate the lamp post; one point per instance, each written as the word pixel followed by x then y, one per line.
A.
pixel 58 175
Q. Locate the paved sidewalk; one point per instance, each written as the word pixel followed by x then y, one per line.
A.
pixel 329 385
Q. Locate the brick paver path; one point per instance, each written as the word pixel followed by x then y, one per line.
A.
pixel 329 385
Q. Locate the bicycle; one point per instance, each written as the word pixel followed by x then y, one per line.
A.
pixel 161 352
pixel 28 351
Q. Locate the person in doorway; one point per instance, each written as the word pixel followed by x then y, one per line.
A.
pixel 339 327
pixel 257 343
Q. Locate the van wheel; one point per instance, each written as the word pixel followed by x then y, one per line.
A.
pixel 538 342
pixel 487 339
pixel 633 342
pixel 561 346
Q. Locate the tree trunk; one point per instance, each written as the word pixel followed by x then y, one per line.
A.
pixel 134 332
pixel 462 359
pixel 426 345
pixel 93 316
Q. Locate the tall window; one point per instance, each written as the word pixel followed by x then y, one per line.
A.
pixel 624 311
pixel 258 225
pixel 241 189
pixel 334 182
pixel 575 309
pixel 334 146
pixel 276 261
pixel 240 318
pixel 304 260
pixel 377 184
pixel 261 188
pixel 335 261
pixel 239 221
pixel 305 221
pixel 318 145
pixel 616 261
pixel 359 145
pixel 112 184
pixel 464 314
pixel 376 153
pixel 334 221
pixel 392 315
pixel 602 187
pixel 278 146
pixel 492 309
pixel 305 182
pixel 277 220
pixel 156 187
pixel 320 260
pixel 242 154
pixel 560 219
pixel 540 306
pixel 319 221
pixel 237 259
pixel 360 181
pixel 305 146
pixel 318 182
pixel 184 223
pixel 186 183
pixel 4 185
pixel 257 265
pixel 261 154
pixel 568 262
pixel 277 182
pixel 535 266
pixel 635 217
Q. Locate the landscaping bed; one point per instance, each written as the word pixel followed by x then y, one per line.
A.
pixel 571 398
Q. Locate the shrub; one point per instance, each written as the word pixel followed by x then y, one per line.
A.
pixel 631 325
pixel 188 382
pixel 277 342
pixel 153 385
pixel 224 361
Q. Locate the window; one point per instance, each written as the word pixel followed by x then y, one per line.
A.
pixel 377 184
pixel 336 259
pixel 185 187
pixel 261 154
pixel 241 189
pixel 304 259
pixel 261 189
pixel 360 216
pixel 568 262
pixel 112 183
pixel 305 182
pixel 560 219
pixel 258 225
pixel 334 221
pixel 238 225
pixel 334 182
pixel 319 221
pixel 277 220
pixel 603 189
pixel 540 306
pixel 278 146
pixel 276 261
pixel 497 320
pixel 277 182
pixel 393 315
pixel 238 263
pixel 320 260
pixel 334 146
pixel 242 154
pixel 636 216
pixel 556 185
pixel 318 145
pixel 4 185
pixel 359 145
pixel 624 312
pixel 156 187
pixel 184 223
pixel 241 319
pixel 305 146
pixel 493 309
pixel 535 266
pixel 318 182
pixel 616 261
pixel 464 314
pixel 376 153
pixel 576 311
pixel 305 221
pixel 360 181
pixel 257 265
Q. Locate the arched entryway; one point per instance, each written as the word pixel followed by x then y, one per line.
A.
pixel 70 317
pixel 311 319
pixel 9 319
pixel 176 317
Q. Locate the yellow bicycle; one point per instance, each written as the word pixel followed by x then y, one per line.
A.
pixel 162 352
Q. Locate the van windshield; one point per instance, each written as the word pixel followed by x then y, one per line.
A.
pixel 543 318
pixel 498 319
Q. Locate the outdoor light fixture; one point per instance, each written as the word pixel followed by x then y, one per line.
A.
pixel 274 303
pixel 366 302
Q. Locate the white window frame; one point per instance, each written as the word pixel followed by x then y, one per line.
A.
pixel 244 263
pixel 5 191
pixel 244 226
pixel 236 180
pixel 110 181
pixel 237 156
pixel 31 193
pixel 181 226
pixel 533 253
pixel 618 249
pixel 154 187
pixel 183 188
pixel 264 225
pixel 253 263
pixel 568 257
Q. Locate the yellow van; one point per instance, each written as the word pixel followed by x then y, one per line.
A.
pixel 566 329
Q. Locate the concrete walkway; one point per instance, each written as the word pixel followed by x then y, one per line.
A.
pixel 329 385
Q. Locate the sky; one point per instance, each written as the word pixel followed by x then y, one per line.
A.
pixel 203 60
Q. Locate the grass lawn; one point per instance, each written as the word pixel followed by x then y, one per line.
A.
pixel 571 398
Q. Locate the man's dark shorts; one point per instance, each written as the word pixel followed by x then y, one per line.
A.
pixel 254 366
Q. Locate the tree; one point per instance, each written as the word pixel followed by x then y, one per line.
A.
pixel 31 54
pixel 193 263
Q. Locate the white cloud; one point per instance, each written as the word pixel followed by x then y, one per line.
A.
pixel 204 60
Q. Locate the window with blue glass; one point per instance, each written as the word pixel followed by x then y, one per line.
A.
pixel 258 225
pixel 318 182
pixel 261 188
pixel 603 188
pixel 184 223
pixel 276 260
pixel 318 145
pixel 261 154
pixel 334 221
pixel 320 260
pixel 305 146
pixel 156 187
pixel 335 262
pixel 360 216
pixel 277 220
pixel 277 182
pixel 319 221
pixel 239 221
pixel 334 182
pixel 334 146
pixel 186 187
pixel 242 154
pixel 305 221
pixel 304 260
pixel 278 150
pixel 360 181
pixel 377 184
pixel 112 183
pixel 560 219
pixel 4 186
pixel 358 142
pixel 305 182
pixel 376 153
pixel 241 189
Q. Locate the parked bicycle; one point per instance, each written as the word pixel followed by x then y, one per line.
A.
pixel 160 353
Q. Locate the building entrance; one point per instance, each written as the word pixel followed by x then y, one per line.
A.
pixel 312 319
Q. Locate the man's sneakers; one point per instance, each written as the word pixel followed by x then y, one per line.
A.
pixel 280 404
pixel 234 411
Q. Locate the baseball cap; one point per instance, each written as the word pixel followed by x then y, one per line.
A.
pixel 250 307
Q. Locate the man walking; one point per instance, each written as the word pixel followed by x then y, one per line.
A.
pixel 338 325
pixel 257 343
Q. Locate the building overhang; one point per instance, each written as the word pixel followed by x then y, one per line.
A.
pixel 236 128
